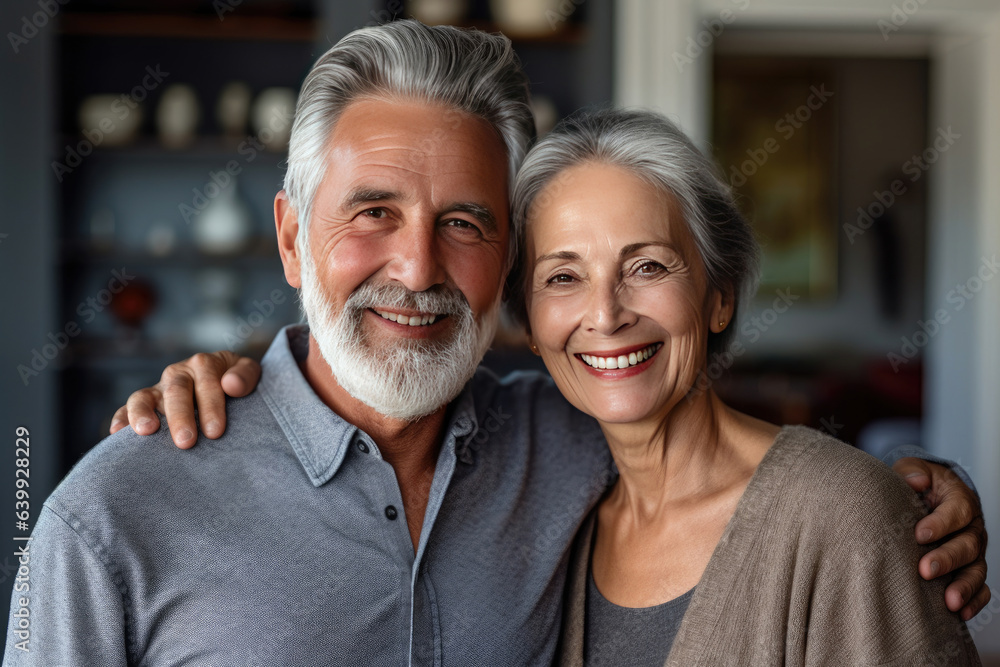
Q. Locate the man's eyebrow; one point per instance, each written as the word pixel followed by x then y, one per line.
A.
pixel 365 195
pixel 479 212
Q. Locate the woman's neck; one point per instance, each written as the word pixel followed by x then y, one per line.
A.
pixel 700 448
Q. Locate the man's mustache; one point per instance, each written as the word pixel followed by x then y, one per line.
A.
pixel 439 299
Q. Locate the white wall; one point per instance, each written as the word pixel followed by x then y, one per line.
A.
pixel 962 382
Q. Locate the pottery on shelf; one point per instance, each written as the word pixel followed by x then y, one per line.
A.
pixel 438 12
pixel 529 18
pixel 110 120
pixel 225 225
pixel 232 110
pixel 545 113
pixel 271 115
pixel 177 116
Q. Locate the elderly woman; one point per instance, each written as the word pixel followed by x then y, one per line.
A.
pixel 726 539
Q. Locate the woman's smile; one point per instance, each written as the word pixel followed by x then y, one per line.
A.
pixel 624 362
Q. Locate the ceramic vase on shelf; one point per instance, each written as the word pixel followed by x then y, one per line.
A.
pixel 529 18
pixel 225 225
pixel 177 116
pixel 438 12
pixel 109 120
pixel 233 109
pixel 217 290
pixel 272 115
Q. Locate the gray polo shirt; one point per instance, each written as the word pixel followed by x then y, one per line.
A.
pixel 284 542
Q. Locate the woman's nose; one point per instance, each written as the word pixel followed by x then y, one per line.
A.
pixel 607 310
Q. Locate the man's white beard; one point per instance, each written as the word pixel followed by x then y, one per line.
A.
pixel 409 378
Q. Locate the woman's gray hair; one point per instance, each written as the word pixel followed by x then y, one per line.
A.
pixel 658 152
pixel 468 70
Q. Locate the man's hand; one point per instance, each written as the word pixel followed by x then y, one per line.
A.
pixel 957 515
pixel 200 380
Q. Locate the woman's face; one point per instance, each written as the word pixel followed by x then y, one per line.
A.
pixel 618 301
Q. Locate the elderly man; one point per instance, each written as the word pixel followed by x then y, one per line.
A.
pixel 376 500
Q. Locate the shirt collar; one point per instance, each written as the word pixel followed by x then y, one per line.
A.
pixel 318 435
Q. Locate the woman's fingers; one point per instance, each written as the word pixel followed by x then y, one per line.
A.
pixel 202 380
pixel 241 378
pixel 177 385
pixel 141 410
pixel 119 420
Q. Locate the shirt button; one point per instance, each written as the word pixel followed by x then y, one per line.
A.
pixel 390 513
pixel 362 446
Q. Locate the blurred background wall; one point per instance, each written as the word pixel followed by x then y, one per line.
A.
pixel 141 145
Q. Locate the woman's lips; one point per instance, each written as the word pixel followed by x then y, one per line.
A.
pixel 619 359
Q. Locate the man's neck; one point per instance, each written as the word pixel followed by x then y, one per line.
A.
pixel 410 447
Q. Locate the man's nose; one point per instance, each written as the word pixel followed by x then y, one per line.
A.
pixel 417 261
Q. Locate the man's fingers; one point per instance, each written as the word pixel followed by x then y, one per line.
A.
pixel 178 402
pixel 953 506
pixel 141 408
pixel 976 605
pixel 241 378
pixel 914 472
pixel 968 583
pixel 962 549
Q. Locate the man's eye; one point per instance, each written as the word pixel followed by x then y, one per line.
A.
pixel 377 213
pixel 462 224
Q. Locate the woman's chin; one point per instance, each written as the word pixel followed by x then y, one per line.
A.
pixel 620 412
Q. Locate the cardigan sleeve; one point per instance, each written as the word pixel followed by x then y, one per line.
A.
pixel 869 605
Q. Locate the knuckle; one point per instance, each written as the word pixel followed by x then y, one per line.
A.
pixel 201 361
pixel 171 372
pixel 136 397
pixel 176 383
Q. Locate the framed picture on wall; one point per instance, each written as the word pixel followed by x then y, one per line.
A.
pixel 775 137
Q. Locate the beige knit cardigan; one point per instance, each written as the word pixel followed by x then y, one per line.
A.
pixel 818 566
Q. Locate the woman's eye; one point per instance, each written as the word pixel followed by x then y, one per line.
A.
pixel 649 268
pixel 561 278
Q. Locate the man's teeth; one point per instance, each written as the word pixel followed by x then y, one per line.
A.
pixel 621 361
pixel 412 320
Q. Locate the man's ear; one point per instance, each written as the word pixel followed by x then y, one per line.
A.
pixel 286 223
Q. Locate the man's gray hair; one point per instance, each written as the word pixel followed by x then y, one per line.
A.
pixel 467 70
pixel 657 151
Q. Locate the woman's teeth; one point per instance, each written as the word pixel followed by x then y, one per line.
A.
pixel 621 361
pixel 411 320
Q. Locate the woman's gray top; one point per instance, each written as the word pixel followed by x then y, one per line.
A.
pixel 630 636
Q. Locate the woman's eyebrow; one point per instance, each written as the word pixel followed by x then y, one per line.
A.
pixel 633 248
pixel 562 254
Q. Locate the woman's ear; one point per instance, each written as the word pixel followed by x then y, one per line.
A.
pixel 722 308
